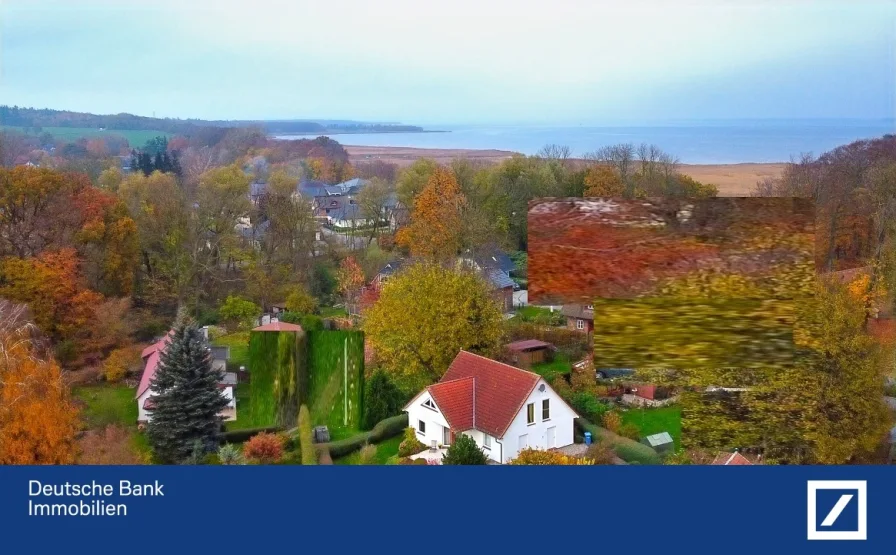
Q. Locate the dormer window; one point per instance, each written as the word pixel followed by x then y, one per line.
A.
pixel 429 404
pixel 589 307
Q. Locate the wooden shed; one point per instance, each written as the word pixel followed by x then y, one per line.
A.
pixel 527 352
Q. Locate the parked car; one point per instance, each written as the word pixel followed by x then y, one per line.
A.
pixel 613 373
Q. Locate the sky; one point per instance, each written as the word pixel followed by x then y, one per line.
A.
pixel 453 62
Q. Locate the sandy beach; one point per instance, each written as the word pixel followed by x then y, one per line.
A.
pixel 731 179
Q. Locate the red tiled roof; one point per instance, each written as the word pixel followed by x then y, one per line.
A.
pixel 151 357
pixel 278 326
pixel 527 344
pixel 455 401
pixel 500 391
pixel 731 459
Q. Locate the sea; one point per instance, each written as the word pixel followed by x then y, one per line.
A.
pixel 693 142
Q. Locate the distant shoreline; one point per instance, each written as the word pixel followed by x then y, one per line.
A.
pixel 327 133
pixel 738 179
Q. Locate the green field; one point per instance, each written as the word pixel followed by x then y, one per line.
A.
pixel 107 404
pixel 135 137
pixel 654 421
pixel 560 365
pixel 239 349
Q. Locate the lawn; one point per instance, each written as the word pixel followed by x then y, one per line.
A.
pixel 560 365
pixel 333 312
pixel 384 451
pixel 653 421
pixel 107 404
pixel 112 404
pixel 135 137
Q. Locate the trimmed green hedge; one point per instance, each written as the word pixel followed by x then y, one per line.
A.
pixel 240 436
pixel 383 430
pixel 626 449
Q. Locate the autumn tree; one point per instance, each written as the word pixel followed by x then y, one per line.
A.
pixel 350 279
pixel 38 420
pixel 413 179
pixel 373 201
pixel 35 211
pixel 436 227
pixel 459 314
pixel 602 181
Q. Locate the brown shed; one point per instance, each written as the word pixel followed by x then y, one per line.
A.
pixel 527 352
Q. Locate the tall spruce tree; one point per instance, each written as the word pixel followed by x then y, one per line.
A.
pixel 187 400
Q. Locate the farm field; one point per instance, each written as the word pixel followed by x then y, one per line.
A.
pixel 135 137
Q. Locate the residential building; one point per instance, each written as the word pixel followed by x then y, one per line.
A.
pixel 579 317
pixel 504 409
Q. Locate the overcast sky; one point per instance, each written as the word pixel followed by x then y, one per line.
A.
pixel 458 61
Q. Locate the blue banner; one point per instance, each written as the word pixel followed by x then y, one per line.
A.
pixel 534 509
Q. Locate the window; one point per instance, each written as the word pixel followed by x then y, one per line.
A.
pixel 486 441
pixel 421 427
pixel 580 324
pixel 546 409
pixel 589 307
pixel 429 404
pixel 530 413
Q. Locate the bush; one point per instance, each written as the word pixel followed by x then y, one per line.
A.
pixel 229 454
pixel 240 311
pixel 382 399
pixel 630 431
pixel 532 456
pixel 367 455
pixel 121 362
pixel 309 322
pixel 299 300
pixel 463 451
pixel 588 406
pixel 410 445
pixel 264 448
pixel 420 462
pixel 630 451
pixel 306 437
pixel 612 421
pixel 600 453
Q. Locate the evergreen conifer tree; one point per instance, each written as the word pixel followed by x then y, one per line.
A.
pixel 187 400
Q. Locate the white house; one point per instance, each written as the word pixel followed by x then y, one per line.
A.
pixel 503 408
pixel 152 357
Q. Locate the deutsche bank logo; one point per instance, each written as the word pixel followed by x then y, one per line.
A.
pixel 838 510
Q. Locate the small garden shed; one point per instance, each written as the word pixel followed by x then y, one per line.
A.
pixel 527 352
pixel 662 442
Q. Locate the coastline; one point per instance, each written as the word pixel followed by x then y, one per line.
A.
pixel 732 179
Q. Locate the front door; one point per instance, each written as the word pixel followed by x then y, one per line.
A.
pixel 552 437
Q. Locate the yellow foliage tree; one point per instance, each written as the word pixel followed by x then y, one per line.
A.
pixel 603 181
pixel 532 456
pixel 437 219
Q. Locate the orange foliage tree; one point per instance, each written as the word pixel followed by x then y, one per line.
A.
pixel 603 181
pixel 350 279
pixel 436 225
pixel 38 420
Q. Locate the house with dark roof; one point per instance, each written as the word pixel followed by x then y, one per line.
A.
pixel 579 317
pixel 152 357
pixel 504 409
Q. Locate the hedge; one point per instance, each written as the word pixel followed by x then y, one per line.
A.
pixel 240 436
pixel 626 449
pixel 277 362
pixel 336 385
pixel 384 429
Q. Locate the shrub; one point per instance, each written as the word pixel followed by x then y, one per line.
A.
pixel 464 451
pixel 309 322
pixel 600 453
pixel 532 456
pixel 367 455
pixel 382 399
pixel 384 429
pixel 306 437
pixel 420 462
pixel 229 454
pixel 630 431
pixel 410 445
pixel 112 445
pixel 612 421
pixel 264 448
pixel 239 311
pixel 121 362
pixel 588 406
pixel 299 300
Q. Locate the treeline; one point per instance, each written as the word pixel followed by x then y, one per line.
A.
pixel 36 118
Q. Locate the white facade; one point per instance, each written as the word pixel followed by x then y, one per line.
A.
pixel 228 413
pixel 557 430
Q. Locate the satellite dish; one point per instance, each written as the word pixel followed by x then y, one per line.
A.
pixel 541 388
